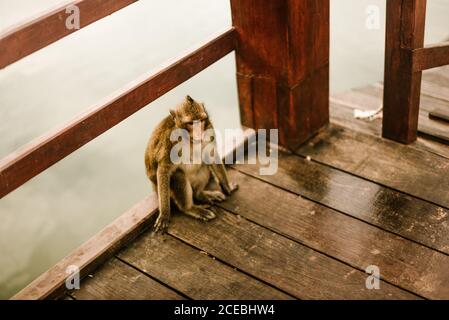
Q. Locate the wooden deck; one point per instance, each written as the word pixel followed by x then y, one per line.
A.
pixel 345 200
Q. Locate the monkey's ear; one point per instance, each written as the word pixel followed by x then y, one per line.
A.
pixel 173 113
pixel 189 99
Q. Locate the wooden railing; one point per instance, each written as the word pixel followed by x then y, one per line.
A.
pixel 38 32
pixel 405 59
pixel 282 74
pixel 282 58
pixel 282 71
pixel 27 162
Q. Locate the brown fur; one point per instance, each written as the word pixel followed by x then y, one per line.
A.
pixel 182 183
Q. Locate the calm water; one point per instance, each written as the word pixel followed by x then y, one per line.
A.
pixel 60 209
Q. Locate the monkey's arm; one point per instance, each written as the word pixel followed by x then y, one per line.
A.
pixel 219 171
pixel 163 190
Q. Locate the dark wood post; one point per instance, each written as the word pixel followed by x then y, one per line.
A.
pixel 402 85
pixel 283 66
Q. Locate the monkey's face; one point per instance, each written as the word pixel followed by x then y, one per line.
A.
pixel 192 116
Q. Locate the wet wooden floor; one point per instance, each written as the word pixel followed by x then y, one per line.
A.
pixel 344 201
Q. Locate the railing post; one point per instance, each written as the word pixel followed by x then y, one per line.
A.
pixel 283 66
pixel 402 86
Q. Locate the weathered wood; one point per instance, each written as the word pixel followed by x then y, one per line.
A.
pixel 404 32
pixel 193 272
pixel 432 56
pixel 435 85
pixel 342 114
pixel 117 281
pixel 364 200
pixel 431 132
pixel 439 114
pixel 337 235
pixel 27 162
pixel 286 264
pixel 93 252
pixel 426 127
pixel 38 32
pixel 418 173
pixel 370 97
pixel 283 66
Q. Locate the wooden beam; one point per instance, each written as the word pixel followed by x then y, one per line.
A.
pixel 27 162
pixel 439 114
pixel 94 252
pixel 283 66
pixel 433 56
pixel 405 30
pixel 19 41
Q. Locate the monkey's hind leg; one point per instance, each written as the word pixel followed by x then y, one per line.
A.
pixel 182 195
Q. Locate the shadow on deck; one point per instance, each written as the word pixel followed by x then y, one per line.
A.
pixel 311 230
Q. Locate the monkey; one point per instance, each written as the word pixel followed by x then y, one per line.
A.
pixel 184 184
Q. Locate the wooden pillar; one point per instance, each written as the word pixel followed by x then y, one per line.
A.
pixel 402 85
pixel 282 60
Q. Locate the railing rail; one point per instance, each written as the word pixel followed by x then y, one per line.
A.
pixel 38 32
pixel 25 163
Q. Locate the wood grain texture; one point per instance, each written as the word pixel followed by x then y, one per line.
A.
pixel 93 252
pixel 193 272
pixel 342 114
pixel 404 32
pixel 286 59
pixel 435 83
pixel 432 56
pixel 117 281
pixel 439 114
pixel 39 32
pixel 418 173
pixel 388 209
pixel 27 162
pixel 286 264
pixel 404 263
pixel 370 98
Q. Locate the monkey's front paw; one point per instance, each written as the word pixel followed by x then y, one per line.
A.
pixel 231 188
pixel 204 214
pixel 214 196
pixel 161 225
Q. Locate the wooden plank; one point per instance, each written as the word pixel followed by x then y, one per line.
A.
pixel 435 84
pixel 340 236
pixel 27 162
pixel 38 32
pixel 286 264
pixel 193 272
pixel 426 127
pixel 404 32
pixel 418 173
pixel 431 132
pixel 289 72
pixel 342 114
pixel 117 281
pixel 431 56
pixel 364 200
pixel 370 97
pixel 439 114
pixel 93 252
